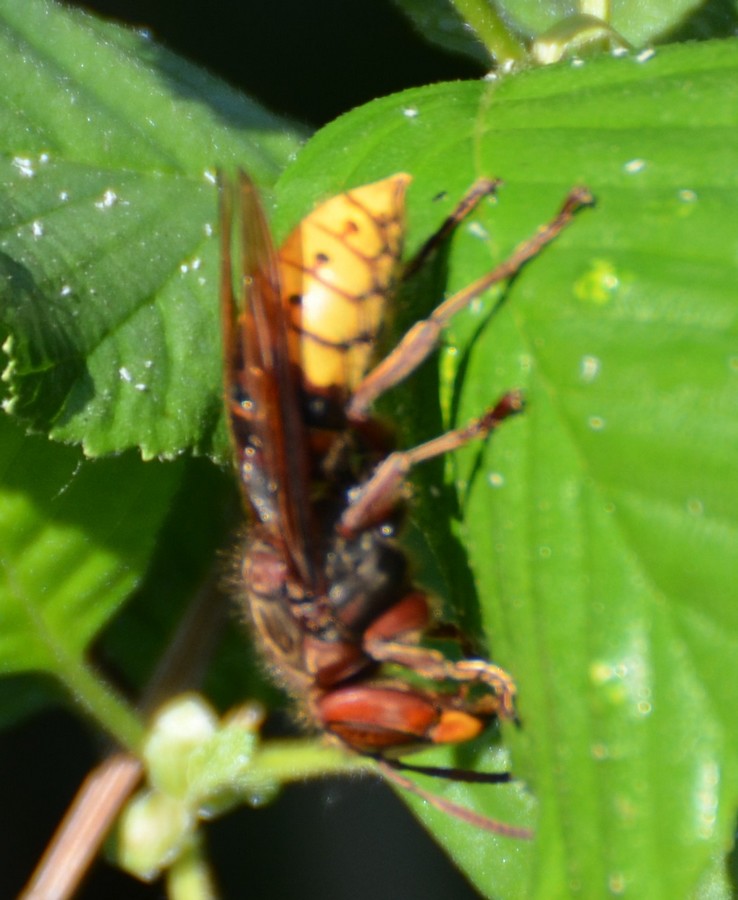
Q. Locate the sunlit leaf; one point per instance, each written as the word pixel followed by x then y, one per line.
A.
pixel 76 538
pixel 109 147
pixel 601 524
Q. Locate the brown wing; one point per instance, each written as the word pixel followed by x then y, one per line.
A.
pixel 262 385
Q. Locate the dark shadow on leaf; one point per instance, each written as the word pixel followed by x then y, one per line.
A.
pixel 46 363
pixel 438 504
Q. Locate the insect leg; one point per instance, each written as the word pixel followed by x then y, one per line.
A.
pixel 482 187
pixel 460 812
pixel 378 496
pixel 433 665
pixel 423 337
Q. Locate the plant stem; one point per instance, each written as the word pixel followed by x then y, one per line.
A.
pixel 602 9
pixel 491 30
pixel 190 876
pixel 83 828
pixel 101 702
pixel 295 760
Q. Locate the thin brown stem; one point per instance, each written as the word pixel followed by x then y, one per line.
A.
pixel 99 800
pixel 83 828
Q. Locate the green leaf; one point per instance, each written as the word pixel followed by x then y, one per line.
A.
pixel 638 21
pixel 440 23
pixel 109 147
pixel 600 524
pixel 76 538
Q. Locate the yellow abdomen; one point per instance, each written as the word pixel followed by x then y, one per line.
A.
pixel 338 268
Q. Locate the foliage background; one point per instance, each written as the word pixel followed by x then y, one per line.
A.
pixel 329 840
pixel 293 92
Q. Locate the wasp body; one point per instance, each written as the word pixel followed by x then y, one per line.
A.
pixel 327 586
